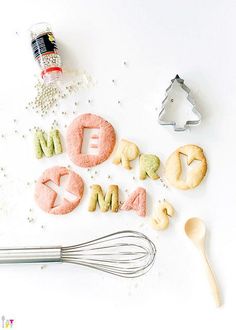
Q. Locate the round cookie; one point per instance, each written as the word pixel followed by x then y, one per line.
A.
pixel 74 140
pixel 45 196
pixel 173 168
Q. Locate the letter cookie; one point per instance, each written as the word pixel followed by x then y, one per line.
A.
pixel 125 152
pixel 45 196
pixel 47 147
pixel 173 169
pixel 160 220
pixel 105 141
pixel 148 165
pixel 136 201
pixel 111 199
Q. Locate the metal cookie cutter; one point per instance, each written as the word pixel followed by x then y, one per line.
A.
pixel 188 123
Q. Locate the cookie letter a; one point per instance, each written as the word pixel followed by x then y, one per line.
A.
pixel 110 200
pixel 136 201
pixel 126 152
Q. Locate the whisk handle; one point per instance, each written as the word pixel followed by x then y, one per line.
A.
pixel 30 255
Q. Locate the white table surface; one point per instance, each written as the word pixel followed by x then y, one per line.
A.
pixel 157 39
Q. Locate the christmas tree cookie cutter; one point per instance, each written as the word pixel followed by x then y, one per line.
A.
pixel 197 116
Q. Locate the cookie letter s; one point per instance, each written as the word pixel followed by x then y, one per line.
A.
pixel 160 220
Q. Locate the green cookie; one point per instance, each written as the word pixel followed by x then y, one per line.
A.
pixel 47 145
pixel 148 165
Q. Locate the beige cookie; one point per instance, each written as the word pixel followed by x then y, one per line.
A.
pixel 160 219
pixel 174 172
pixel 126 152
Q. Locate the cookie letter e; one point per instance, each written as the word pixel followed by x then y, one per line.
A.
pixel 74 140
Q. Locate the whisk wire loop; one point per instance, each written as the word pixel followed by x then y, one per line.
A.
pixel 125 253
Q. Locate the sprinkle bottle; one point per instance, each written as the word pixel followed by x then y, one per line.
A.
pixel 45 52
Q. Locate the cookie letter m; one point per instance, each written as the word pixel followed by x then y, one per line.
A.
pixel 110 200
pixel 47 145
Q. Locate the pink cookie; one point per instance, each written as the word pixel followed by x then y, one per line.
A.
pixel 74 140
pixel 136 201
pixel 45 196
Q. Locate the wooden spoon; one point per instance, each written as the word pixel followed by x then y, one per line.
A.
pixel 195 229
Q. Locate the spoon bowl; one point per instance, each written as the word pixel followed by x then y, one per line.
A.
pixel 195 229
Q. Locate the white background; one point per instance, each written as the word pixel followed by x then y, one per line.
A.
pixel 157 39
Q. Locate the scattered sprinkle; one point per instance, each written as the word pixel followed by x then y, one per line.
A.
pixel 48 96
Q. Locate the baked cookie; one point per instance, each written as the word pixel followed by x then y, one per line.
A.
pixel 45 196
pixel 148 165
pixel 136 201
pixel 173 168
pixel 47 145
pixel 110 200
pixel 125 152
pixel 160 219
pixel 105 141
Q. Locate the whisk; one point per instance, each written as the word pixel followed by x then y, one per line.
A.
pixel 125 253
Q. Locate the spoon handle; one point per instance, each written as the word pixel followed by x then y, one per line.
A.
pixel 212 281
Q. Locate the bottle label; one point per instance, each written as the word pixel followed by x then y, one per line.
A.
pixel 44 44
